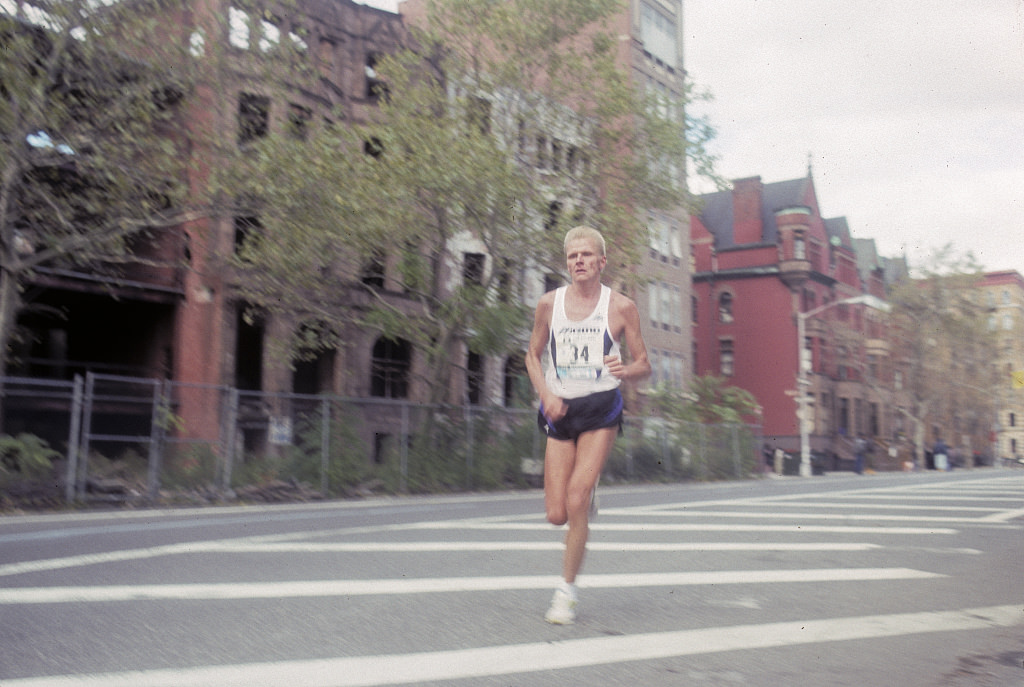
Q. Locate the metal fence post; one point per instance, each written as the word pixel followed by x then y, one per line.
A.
pixel 230 432
pixel 469 446
pixel 83 459
pixel 158 430
pixel 737 463
pixel 325 443
pixel 403 476
pixel 74 437
pixel 702 442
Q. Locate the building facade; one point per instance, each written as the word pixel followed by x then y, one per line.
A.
pixel 655 58
pixel 765 258
pixel 1003 297
pixel 188 321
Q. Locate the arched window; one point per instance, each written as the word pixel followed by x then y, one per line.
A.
pixel 389 368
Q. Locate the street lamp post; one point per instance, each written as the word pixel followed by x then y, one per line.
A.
pixel 803 365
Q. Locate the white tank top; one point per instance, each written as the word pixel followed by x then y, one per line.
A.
pixel 576 349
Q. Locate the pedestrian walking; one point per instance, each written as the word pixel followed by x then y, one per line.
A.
pixel 940 455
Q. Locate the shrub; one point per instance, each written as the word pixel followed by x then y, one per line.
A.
pixel 25 457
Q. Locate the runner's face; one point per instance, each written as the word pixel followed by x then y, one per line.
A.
pixel 584 260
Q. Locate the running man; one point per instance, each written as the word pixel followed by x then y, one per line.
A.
pixel 580 326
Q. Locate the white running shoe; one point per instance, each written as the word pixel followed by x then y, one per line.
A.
pixel 563 609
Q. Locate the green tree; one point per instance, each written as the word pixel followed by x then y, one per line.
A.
pixel 943 352
pixel 500 126
pixel 711 400
pixel 90 171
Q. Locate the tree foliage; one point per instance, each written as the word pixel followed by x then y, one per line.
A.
pixel 498 127
pixel 943 351
pixel 90 162
pixel 711 400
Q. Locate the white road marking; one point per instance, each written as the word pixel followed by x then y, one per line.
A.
pixel 817 517
pixel 830 506
pixel 327 588
pixel 398 669
pixel 101 558
pixel 1005 516
pixel 447 546
pixel 257 546
pixel 683 527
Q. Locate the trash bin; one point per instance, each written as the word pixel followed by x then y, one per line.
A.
pixel 790 464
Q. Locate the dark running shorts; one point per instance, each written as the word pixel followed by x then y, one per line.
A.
pixel 587 413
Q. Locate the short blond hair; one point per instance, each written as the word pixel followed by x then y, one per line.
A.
pixel 584 232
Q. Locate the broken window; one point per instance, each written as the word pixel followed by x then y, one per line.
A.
pixel 478 114
pixel 553 216
pixel 518 391
pixel 244 228
pixel 248 349
pixel 375 87
pixel 298 121
pixel 542 152
pixel 473 268
pixel 253 117
pixel 474 378
pixel 373 147
pixel 373 271
pixel 389 368
pixel 314 364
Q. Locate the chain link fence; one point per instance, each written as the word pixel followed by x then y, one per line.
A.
pixel 124 438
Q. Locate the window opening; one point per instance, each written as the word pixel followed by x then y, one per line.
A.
pixel 725 308
pixel 474 378
pixel 253 117
pixel 389 368
pixel 248 349
pixel 726 357
pixel 473 269
pixel 298 121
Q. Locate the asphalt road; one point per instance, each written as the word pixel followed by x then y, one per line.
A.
pixel 914 580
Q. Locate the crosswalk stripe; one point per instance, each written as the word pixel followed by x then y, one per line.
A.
pixel 449 546
pixel 269 546
pixel 820 517
pixel 326 588
pixel 685 527
pixel 398 669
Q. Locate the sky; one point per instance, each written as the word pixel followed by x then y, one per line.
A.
pixel 910 114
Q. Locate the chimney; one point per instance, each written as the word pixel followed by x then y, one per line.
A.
pixel 746 211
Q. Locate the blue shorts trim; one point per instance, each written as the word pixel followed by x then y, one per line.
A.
pixel 585 414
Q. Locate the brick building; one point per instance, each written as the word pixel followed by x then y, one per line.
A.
pixel 176 312
pixel 171 311
pixel 762 253
pixel 1003 297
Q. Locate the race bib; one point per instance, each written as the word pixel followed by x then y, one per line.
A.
pixel 580 353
